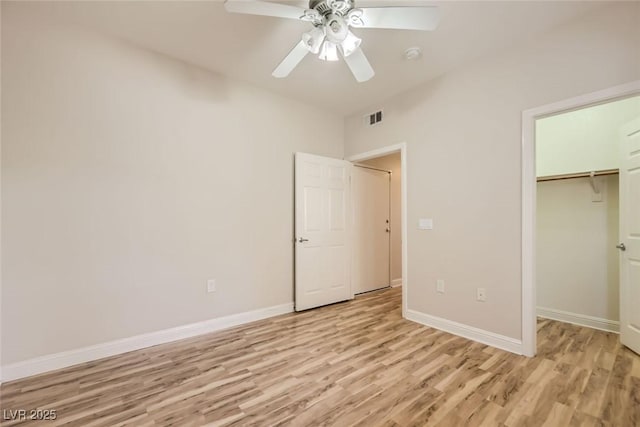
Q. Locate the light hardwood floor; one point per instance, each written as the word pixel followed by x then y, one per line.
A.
pixel 356 363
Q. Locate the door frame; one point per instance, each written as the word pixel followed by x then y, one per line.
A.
pixel 529 180
pixel 380 152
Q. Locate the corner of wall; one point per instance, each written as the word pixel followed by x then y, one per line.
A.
pixel 475 334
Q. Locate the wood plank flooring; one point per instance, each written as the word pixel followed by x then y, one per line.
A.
pixel 356 363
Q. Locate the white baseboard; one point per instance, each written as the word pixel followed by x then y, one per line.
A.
pixel 579 319
pixel 395 283
pixel 65 359
pixel 475 334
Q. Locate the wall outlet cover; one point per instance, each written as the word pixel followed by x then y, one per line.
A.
pixel 211 285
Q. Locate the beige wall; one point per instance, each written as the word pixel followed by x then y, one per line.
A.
pixel 463 135
pixel 128 180
pixel 392 163
pixel 583 140
pixel 577 262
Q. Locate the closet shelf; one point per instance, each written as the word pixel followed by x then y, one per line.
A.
pixel 578 175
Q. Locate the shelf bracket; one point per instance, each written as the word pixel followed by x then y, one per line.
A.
pixel 592 181
pixel 596 195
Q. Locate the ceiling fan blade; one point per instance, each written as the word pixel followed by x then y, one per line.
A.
pixel 359 66
pixel 425 18
pixel 263 8
pixel 294 57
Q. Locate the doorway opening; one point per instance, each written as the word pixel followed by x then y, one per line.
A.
pixel 375 190
pixel 378 192
pixel 571 156
pixel 577 214
pixel 323 235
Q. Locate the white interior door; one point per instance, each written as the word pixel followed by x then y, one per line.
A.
pixel 630 236
pixel 371 229
pixel 322 254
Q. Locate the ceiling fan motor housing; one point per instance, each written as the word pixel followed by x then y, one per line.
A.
pixel 336 7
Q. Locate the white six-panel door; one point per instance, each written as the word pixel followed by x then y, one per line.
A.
pixel 322 252
pixel 371 229
pixel 630 236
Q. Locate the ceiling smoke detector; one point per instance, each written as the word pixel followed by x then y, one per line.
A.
pixel 412 54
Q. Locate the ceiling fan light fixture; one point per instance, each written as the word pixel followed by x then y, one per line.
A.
pixel 350 44
pixel 329 51
pixel 313 39
pixel 312 15
pixel 336 28
pixel 332 21
pixel 354 17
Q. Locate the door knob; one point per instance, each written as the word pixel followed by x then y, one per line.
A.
pixel 622 247
pixel 302 240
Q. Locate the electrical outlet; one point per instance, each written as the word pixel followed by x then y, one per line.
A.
pixel 211 285
pixel 482 294
pixel 440 286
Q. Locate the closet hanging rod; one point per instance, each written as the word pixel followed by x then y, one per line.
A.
pixel 372 168
pixel 578 175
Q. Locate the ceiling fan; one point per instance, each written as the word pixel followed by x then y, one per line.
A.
pixel 332 21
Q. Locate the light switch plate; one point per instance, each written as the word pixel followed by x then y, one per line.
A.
pixel 425 224
pixel 440 286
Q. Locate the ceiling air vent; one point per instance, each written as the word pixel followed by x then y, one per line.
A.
pixel 373 118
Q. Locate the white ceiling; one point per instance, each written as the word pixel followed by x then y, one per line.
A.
pixel 249 47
